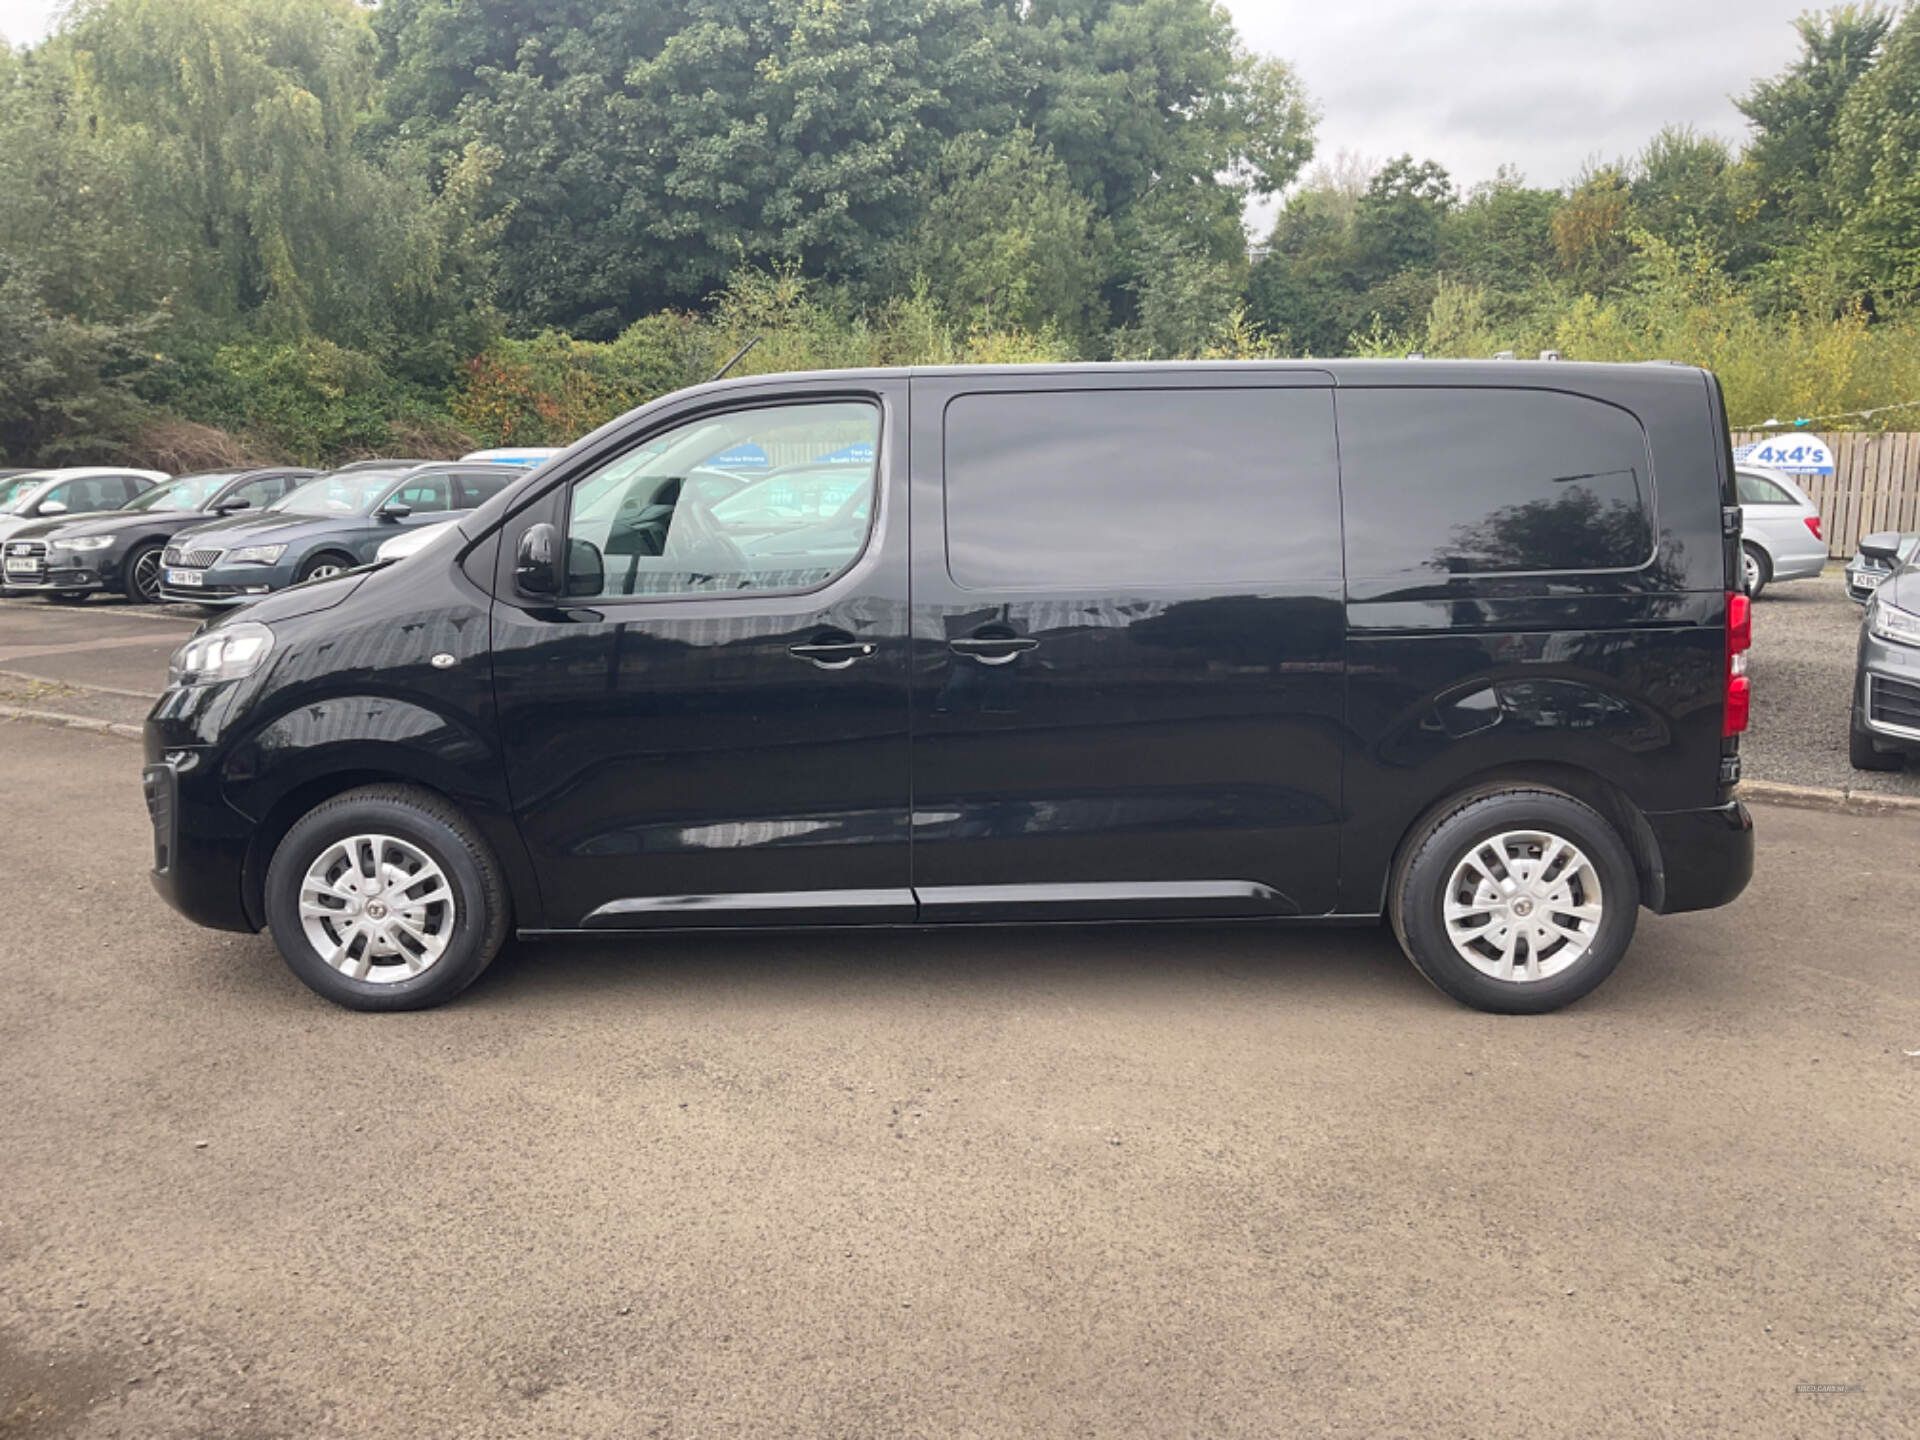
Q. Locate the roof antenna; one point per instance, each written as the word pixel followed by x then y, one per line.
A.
pixel 738 356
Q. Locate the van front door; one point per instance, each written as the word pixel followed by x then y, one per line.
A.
pixel 712 728
pixel 1129 656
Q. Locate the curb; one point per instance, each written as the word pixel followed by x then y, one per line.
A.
pixel 1812 797
pixel 70 722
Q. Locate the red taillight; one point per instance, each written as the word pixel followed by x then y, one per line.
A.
pixel 1739 707
pixel 1813 524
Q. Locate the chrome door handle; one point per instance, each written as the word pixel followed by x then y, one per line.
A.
pixel 993 649
pixel 833 652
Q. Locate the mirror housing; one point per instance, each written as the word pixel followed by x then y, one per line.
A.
pixel 51 507
pixel 395 509
pixel 228 506
pixel 1881 545
pixel 535 563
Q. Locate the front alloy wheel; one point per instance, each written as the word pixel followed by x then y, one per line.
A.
pixel 386 898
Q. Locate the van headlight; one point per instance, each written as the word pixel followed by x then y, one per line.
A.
pixel 232 652
pixel 255 554
pixel 1889 622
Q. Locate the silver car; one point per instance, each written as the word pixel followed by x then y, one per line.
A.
pixel 1780 530
pixel 1879 555
pixel 1885 727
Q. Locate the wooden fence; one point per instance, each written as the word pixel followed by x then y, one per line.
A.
pixel 1875 485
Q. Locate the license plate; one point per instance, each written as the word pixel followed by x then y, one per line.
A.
pixel 186 579
pixel 22 565
pixel 1868 579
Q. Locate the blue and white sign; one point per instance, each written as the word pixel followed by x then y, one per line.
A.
pixel 860 454
pixel 741 457
pixel 1794 454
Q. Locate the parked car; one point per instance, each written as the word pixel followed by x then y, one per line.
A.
pixel 1780 530
pixel 50 494
pixel 1435 656
pixel 1884 726
pixel 1879 555
pixel 332 523
pixel 71 559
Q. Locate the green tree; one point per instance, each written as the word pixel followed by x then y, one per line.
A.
pixel 1877 168
pixel 1396 225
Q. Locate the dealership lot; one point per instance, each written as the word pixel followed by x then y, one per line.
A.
pixel 1226 1181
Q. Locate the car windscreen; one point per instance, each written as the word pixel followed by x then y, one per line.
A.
pixel 13 491
pixel 189 492
pixel 350 493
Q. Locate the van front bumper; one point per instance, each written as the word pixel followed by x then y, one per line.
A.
pixel 199 842
pixel 1706 857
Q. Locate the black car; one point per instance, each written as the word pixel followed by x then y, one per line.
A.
pixel 1330 642
pixel 331 523
pixel 119 551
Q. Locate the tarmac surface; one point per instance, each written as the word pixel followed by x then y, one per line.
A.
pixel 1217 1181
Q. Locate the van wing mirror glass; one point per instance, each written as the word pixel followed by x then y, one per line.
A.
pixel 1882 545
pixel 586 573
pixel 535 562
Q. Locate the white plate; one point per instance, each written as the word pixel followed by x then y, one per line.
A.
pixel 22 565
pixel 186 579
pixel 1868 579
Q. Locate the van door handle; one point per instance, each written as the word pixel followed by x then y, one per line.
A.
pixel 833 650
pixel 993 645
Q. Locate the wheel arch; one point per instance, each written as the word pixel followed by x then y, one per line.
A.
pixel 1593 790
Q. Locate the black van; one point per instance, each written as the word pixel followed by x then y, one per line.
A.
pixel 1453 644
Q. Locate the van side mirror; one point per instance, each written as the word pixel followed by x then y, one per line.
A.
pixel 51 507
pixel 1882 545
pixel 586 572
pixel 535 567
pixel 395 509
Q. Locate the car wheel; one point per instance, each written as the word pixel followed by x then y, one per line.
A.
pixel 386 898
pixel 1515 901
pixel 323 566
pixel 1755 569
pixel 1861 750
pixel 69 597
pixel 140 576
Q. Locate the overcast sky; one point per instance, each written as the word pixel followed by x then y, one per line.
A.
pixel 1540 84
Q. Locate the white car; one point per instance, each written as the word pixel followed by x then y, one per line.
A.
pixel 1780 530
pixel 77 490
pixel 527 455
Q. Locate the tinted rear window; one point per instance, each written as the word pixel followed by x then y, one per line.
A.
pixel 1479 482
pixel 1120 489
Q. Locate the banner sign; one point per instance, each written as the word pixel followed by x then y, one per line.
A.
pixel 1794 454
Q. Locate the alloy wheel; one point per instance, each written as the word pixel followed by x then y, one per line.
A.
pixel 1523 906
pixel 377 908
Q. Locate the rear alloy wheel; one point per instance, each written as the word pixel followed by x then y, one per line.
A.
pixel 323 567
pixel 386 898
pixel 1516 901
pixel 142 572
pixel 1755 570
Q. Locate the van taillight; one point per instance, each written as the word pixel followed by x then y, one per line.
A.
pixel 1739 640
pixel 1813 524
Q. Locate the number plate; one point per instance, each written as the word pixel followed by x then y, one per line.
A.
pixel 1865 579
pixel 186 579
pixel 22 565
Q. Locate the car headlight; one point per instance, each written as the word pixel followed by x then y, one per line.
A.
pixel 255 554
pixel 86 542
pixel 1890 622
pixel 230 653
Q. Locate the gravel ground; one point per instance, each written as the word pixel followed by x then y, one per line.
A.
pixel 1804 636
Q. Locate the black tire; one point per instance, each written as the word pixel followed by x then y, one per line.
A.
pixel 1416 895
pixel 70 597
pixel 313 564
pixel 1861 751
pixel 436 827
pixel 1762 567
pixel 141 592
